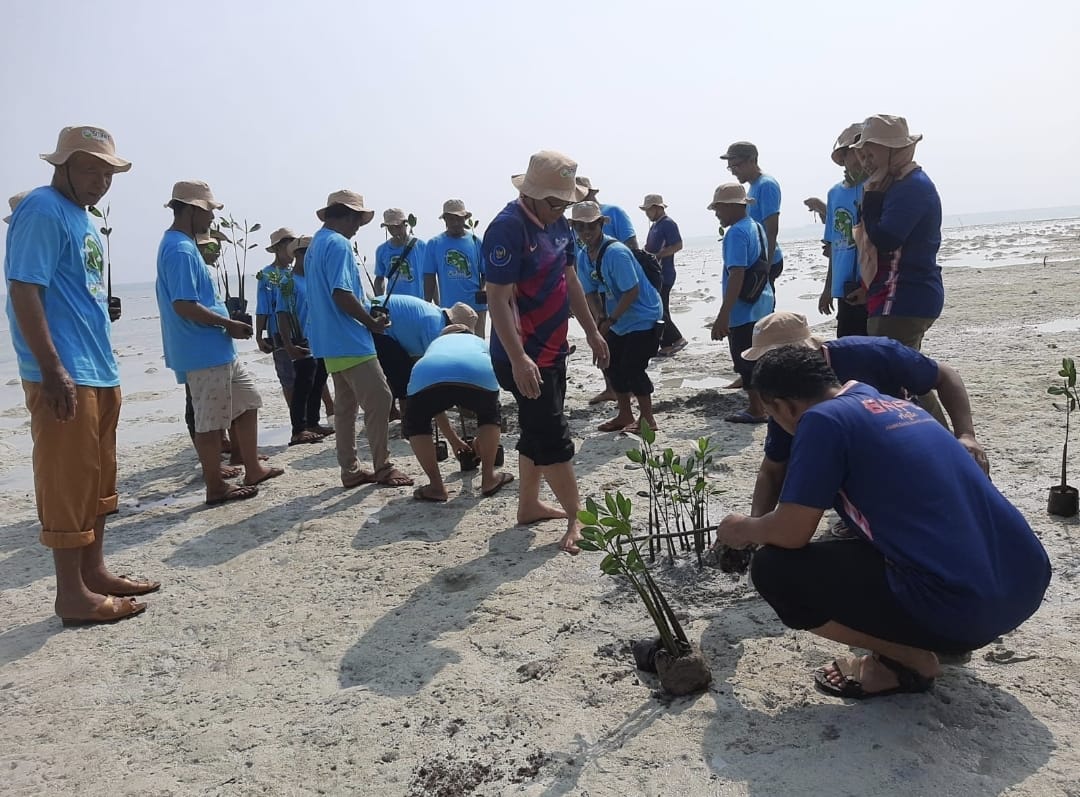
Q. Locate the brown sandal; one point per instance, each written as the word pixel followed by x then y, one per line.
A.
pixel 392 477
pixel 110 610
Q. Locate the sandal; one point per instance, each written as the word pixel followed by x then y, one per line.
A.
pixel 240 493
pixel 910 682
pixel 305 437
pixel 504 479
pixel 420 494
pixel 138 586
pixel 392 477
pixel 110 610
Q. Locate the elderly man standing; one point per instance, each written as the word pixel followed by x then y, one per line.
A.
pixel 399 262
pixel 197 336
pixel 59 320
pixel 269 278
pixel 532 286
pixel 764 194
pixel 454 265
pixel 340 331
pixel 664 242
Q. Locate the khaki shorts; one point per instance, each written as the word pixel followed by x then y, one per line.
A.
pixel 220 395
pixel 74 463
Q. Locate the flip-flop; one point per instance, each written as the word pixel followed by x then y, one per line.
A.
pixel 910 682
pixel 504 479
pixel 110 610
pixel 420 495
pixel 746 417
pixel 273 473
pixel 238 493
pixel 322 431
pixel 230 471
pixel 139 586
pixel 393 478
pixel 306 437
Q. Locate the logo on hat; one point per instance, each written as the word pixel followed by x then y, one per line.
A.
pixel 96 135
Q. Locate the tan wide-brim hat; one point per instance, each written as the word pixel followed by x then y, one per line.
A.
pixel 463 315
pixel 300 244
pixel 846 140
pixel 587 212
pixel 455 207
pixel 586 183
pixel 351 200
pixel 91 140
pixel 279 235
pixel 729 194
pixel 780 329
pixel 13 202
pixel 550 174
pixel 393 217
pixel 888 131
pixel 652 201
pixel 195 193
pixel 203 238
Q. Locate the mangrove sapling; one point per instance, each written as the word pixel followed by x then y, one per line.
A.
pixel 106 230
pixel 1063 498
pixel 237 305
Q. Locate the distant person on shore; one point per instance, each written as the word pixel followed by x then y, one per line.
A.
pixel 339 330
pixel 764 193
pixel 899 238
pixel 399 261
pixel 841 216
pixel 628 312
pixel 532 286
pixel 13 202
pixel 454 265
pixel 60 329
pixel 290 302
pixel 197 337
pixel 664 242
pixel 745 256
pixel 267 336
pixel 455 371
pixel 942 563
pixel 884 364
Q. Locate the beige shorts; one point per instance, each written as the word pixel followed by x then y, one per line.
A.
pixel 221 394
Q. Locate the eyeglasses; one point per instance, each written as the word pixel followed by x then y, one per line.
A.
pixel 558 205
pixel 735 164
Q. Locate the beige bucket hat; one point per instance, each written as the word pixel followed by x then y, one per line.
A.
pixel 780 329
pixel 391 217
pixel 550 174
pixel 888 131
pixel 301 243
pixel 13 202
pixel 847 139
pixel 196 193
pixel 279 235
pixel 652 201
pixel 455 207
pixel 351 200
pixel 462 314
pixel 91 140
pixel 586 183
pixel 204 238
pixel 729 194
pixel 587 212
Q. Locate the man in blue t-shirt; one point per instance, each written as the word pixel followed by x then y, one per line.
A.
pixel 58 314
pixel 744 245
pixel 454 265
pixel 266 293
pixel 664 242
pixel 841 215
pixel 532 286
pixel 197 338
pixel 942 560
pixel 764 193
pixel 399 261
pixel 886 365
pixel 617 224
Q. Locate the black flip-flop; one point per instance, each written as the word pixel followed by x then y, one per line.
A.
pixel 504 479
pixel 420 495
pixel 910 682
pixel 247 490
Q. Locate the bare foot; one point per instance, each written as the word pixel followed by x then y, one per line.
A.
pixel 105 583
pixel 569 541
pixel 602 397
pixel 540 511
pixel 616 424
pixel 258 475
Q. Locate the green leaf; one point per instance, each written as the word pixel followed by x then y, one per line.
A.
pixel 635 455
pixel 634 563
pixel 610 522
pixel 252 246
pixel 612 507
pixel 593 534
pixel 585 545
pixel 256 228
pixel 587 517
pixel 590 506
pixel 94 211
pixel 624 505
pixel 648 434
pixel 106 231
pixel 611 565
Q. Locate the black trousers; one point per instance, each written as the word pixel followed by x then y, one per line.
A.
pixel 310 379
pixel 671 332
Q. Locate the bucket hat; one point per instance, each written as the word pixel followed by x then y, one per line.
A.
pixel 91 140
pixel 279 235
pixel 195 193
pixel 203 238
pixel 392 217
pixel 550 174
pixel 299 244
pixel 780 329
pixel 587 212
pixel 351 200
pixel 729 194
pixel 888 131
pixel 454 207
pixel 13 203
pixel 847 139
pixel 461 313
pixel 651 201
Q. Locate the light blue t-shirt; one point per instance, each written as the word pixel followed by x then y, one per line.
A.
pixel 414 323
pixel 182 275
pixel 461 359
pixel 765 192
pixel 841 214
pixel 620 272
pixel 329 265
pixel 266 294
pixel 618 225
pixel 409 278
pixel 290 297
pixel 52 242
pixel 457 263
pixel 742 248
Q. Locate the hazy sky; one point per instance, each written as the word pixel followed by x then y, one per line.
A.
pixel 276 104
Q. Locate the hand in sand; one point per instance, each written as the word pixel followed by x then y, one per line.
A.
pixel 733 531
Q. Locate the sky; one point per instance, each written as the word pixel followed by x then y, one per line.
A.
pixel 277 104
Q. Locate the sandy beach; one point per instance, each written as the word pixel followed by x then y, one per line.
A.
pixel 321 641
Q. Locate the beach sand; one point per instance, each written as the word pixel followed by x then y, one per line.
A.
pixel 321 641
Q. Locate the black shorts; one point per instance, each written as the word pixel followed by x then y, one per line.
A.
pixel 740 339
pixel 630 355
pixel 842 581
pixel 422 407
pixel 396 364
pixel 545 435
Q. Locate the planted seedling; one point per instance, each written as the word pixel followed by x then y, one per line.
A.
pixel 1063 498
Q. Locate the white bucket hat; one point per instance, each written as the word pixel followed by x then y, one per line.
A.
pixel 550 174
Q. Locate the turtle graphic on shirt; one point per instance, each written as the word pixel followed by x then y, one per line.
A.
pixel 843 223
pixel 458 263
pixel 93 256
pixel 404 270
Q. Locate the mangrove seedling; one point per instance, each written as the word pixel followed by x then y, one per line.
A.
pixel 106 230
pixel 240 247
pixel 1063 498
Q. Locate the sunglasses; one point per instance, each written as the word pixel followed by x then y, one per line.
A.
pixel 735 164
pixel 557 205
